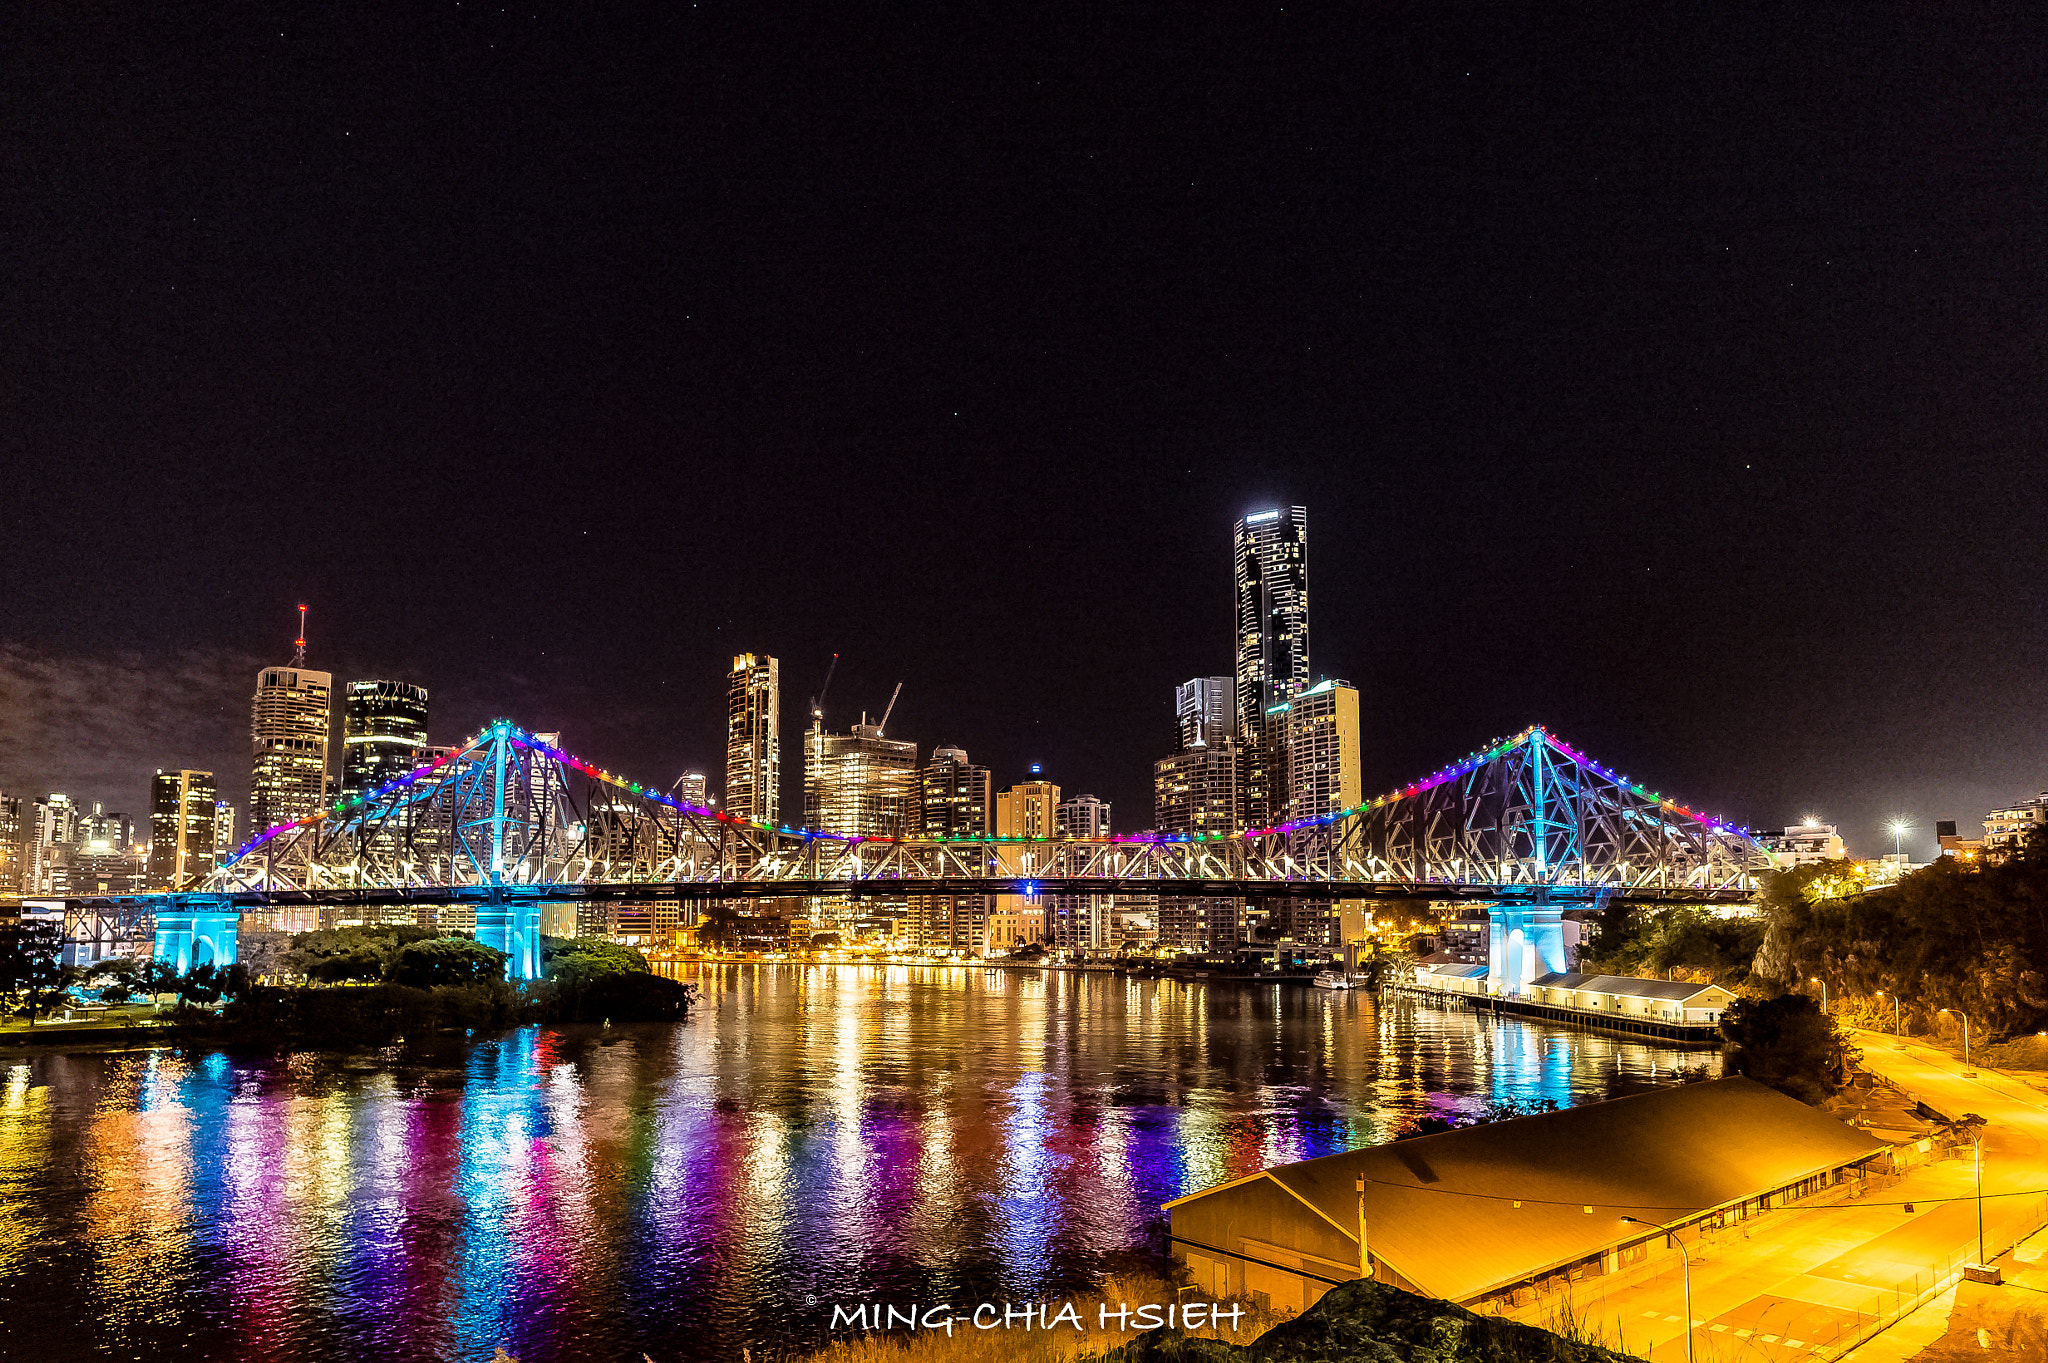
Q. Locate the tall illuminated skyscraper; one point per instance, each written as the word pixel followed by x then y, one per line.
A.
pixel 1271 563
pixel 181 824
pixel 753 742
pixel 288 733
pixel 383 733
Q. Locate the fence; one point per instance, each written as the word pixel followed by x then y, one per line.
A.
pixel 1607 1310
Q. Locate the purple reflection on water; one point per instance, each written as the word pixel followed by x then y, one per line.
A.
pixel 809 1137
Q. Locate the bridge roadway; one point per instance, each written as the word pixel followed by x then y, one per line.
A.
pixel 1557 896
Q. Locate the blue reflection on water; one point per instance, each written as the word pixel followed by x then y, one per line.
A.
pixel 808 1138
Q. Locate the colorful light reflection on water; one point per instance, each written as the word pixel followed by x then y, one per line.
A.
pixel 813 1135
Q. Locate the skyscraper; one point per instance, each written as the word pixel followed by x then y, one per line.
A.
pixel 11 822
pixel 223 831
pixel 1193 792
pixel 383 733
pixel 181 822
pixel 958 797
pixel 1271 559
pixel 288 744
pixel 860 782
pixel 1323 766
pixel 694 789
pixel 753 743
pixel 957 800
pixel 1084 816
pixel 1029 809
pixel 1196 791
pixel 1206 711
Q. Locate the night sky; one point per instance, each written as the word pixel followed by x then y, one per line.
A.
pixel 1671 376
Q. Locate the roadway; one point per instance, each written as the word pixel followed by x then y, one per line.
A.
pixel 1805 1283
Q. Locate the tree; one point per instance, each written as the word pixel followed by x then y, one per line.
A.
pixel 31 954
pixel 1787 1043
pixel 447 961
pixel 154 976
pixel 575 962
pixel 331 955
pixel 201 984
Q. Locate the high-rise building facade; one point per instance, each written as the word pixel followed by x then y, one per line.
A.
pixel 1205 709
pixel 753 743
pixel 1029 809
pixel 694 789
pixel 11 825
pixel 1271 580
pixel 1324 770
pixel 957 798
pixel 181 822
pixel 383 733
pixel 224 843
pixel 1084 816
pixel 860 783
pixel 1196 792
pixel 288 734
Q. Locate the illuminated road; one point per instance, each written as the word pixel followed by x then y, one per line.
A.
pixel 1806 1283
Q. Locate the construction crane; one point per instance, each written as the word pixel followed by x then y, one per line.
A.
pixel 886 713
pixel 818 701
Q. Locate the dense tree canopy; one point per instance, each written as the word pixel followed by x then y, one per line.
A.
pixel 1955 934
pixel 1674 943
pixel 574 962
pixel 30 954
pixel 446 961
pixel 1788 1043
pixel 332 955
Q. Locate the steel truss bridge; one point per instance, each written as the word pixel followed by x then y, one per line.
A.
pixel 510 822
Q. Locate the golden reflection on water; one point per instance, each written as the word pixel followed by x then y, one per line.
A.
pixel 811 1135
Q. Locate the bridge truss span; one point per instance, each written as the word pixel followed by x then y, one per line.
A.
pixel 1528 816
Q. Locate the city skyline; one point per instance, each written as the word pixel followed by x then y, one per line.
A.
pixel 793 787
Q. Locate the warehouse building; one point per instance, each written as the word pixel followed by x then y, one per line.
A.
pixel 1486 1211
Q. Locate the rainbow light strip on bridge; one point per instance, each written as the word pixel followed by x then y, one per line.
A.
pixel 504 729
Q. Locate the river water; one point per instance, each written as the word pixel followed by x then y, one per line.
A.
pixel 811 1135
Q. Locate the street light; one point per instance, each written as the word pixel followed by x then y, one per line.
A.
pixel 1977 1123
pixel 1899 830
pixel 1966 1033
pixel 1685 1259
pixel 1815 979
pixel 1897 1030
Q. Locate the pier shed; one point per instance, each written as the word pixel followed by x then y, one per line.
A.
pixel 1679 1002
pixel 1486 1210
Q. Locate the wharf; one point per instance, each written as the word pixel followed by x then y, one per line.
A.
pixel 1617 1024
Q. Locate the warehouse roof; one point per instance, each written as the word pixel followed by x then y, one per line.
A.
pixel 1623 984
pixel 1465 1212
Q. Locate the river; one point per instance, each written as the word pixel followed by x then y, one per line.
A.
pixel 810 1136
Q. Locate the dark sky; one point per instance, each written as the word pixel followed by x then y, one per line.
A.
pixel 1671 376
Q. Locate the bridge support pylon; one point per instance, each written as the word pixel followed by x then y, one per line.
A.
pixel 511 923
pixel 1524 939
pixel 196 930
